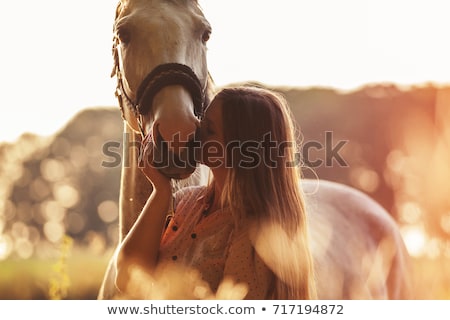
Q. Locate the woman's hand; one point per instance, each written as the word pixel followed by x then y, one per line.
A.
pixel 159 181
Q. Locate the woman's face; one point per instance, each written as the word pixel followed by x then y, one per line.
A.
pixel 212 137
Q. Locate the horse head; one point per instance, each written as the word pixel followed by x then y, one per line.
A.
pixel 159 51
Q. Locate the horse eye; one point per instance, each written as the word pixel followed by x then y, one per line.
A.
pixel 206 35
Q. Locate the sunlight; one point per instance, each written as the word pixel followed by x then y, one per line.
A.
pixel 415 239
pixel 2 250
pixel 6 246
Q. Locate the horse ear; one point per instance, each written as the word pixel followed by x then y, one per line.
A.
pixel 118 9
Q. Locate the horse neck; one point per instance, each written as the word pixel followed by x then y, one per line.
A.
pixel 134 186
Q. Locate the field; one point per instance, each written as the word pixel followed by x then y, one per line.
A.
pixel 78 278
pixel 83 272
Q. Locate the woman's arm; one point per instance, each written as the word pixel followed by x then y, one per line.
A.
pixel 141 245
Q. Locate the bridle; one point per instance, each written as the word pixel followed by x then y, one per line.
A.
pixel 161 76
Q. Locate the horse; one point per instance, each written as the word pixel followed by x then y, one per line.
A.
pixel 163 84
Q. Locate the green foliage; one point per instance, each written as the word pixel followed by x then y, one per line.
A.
pixel 60 281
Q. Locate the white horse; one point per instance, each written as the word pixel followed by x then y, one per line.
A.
pixel 160 63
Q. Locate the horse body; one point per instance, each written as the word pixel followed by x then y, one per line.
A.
pixel 357 248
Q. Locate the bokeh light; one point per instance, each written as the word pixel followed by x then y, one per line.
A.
pixel 415 240
pixel 66 194
pixel 54 231
pixel 365 179
pixel 6 246
pixel 108 211
pixel 52 170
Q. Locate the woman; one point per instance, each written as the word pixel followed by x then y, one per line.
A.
pixel 249 224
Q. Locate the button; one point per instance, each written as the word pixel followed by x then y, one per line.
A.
pixel 194 235
pixel 174 228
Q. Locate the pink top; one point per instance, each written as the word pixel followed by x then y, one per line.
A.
pixel 209 244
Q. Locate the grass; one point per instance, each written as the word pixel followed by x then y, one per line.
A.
pixel 34 278
pixel 31 279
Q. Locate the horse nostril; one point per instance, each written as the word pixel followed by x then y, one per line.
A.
pixel 174 154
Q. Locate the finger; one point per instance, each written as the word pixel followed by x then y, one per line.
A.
pixel 146 152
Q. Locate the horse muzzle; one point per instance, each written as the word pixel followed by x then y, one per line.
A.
pixel 175 165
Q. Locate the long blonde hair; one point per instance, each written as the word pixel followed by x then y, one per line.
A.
pixel 263 184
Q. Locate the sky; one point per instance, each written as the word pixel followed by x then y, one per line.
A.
pixel 55 56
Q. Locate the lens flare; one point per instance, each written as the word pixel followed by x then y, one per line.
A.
pixel 415 239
